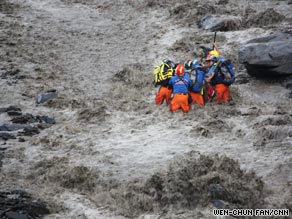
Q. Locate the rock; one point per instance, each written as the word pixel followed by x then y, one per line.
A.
pixel 219 23
pixel 5 136
pixel 21 140
pixel 270 16
pixel 14 113
pixel 18 204
pixel 24 119
pixel 29 131
pixel 42 98
pixel 53 90
pixel 289 2
pixel 13 127
pixel 12 108
pixel 217 203
pixel 47 119
pixel 223 2
pixel 15 215
pixel 29 118
pixel 268 56
pixel 43 126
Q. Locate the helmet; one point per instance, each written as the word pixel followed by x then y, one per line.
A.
pixel 211 58
pixel 169 63
pixel 180 70
pixel 188 64
pixel 214 53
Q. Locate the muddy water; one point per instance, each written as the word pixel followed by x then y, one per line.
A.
pixel 99 55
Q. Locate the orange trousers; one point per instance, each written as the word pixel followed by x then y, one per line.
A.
pixel 163 93
pixel 180 101
pixel 222 92
pixel 197 98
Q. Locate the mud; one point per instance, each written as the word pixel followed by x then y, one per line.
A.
pixel 112 153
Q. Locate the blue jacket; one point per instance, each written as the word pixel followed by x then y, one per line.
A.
pixel 198 80
pixel 180 84
pixel 218 77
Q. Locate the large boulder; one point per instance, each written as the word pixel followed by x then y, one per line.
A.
pixel 219 23
pixel 268 56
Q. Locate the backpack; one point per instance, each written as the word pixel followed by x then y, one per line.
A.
pixel 226 67
pixel 163 71
pixel 197 76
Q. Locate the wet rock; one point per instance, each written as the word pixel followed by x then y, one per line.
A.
pixel 18 204
pixel 12 108
pixel 24 119
pixel 29 118
pixel 270 16
pixel 223 2
pixel 6 136
pixel 14 113
pixel 13 127
pixel 220 23
pixel 29 131
pixel 268 56
pixel 47 119
pixel 42 98
pixel 14 215
pixel 21 140
pixel 217 203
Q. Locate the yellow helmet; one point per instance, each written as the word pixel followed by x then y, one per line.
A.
pixel 214 53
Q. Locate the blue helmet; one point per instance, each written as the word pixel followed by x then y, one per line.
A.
pixel 169 63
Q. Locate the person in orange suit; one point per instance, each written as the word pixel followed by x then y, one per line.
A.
pixel 216 77
pixel 181 84
pixel 162 75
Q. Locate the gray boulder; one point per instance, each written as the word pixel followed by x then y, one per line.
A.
pixel 49 95
pixel 268 56
pixel 220 23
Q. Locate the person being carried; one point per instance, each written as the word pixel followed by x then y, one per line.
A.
pixel 162 74
pixel 181 84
